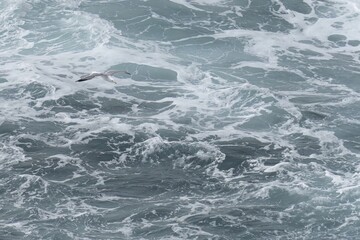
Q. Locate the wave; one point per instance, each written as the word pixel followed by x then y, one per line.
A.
pixel 239 119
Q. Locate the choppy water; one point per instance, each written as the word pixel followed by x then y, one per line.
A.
pixel 241 119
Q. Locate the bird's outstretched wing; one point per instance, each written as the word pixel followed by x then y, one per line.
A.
pixel 89 76
pixel 85 78
pixel 107 76
pixel 82 80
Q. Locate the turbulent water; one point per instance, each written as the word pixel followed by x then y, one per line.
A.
pixel 240 119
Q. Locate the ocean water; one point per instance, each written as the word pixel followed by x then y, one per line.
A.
pixel 240 120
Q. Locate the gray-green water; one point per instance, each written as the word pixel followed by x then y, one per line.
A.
pixel 240 119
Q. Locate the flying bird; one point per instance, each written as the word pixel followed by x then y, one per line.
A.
pixel 105 75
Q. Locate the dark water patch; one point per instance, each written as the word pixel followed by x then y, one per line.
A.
pixel 183 13
pixel 194 41
pixel 187 119
pixel 325 10
pixel 122 15
pixel 345 60
pixel 340 74
pixel 271 161
pixel 318 220
pixel 338 25
pixel 310 53
pixel 109 204
pixel 39 190
pixel 32 145
pixel 68 227
pixel 153 74
pixel 174 34
pixel 124 208
pixel 257 219
pixel 37 149
pixel 302 60
pixel 275 80
pixel 56 169
pixel 60 109
pixel 297 6
pixel 106 146
pixel 94 157
pixel 354 43
pixel 220 225
pixel 114 11
pixel 236 158
pixel 304 52
pixel 258 17
pixel 151 93
pixel 349 133
pixel 78 101
pixel 154 183
pixel 153 213
pixel 306 99
pixel 350 110
pixel 142 185
pixel 219 52
pixel 250 71
pixel 284 80
pixel 38 127
pixel 354 146
pixel 8 127
pixel 154 232
pixel 56 234
pixel 36 90
pixel 305 145
pixel 114 106
pixel 311 116
pixel 337 38
pixel 239 153
pixel 173 135
pixel 263 122
pixel 163 158
pixel 12 93
pixel 153 108
pixel 150 29
pixel 9 233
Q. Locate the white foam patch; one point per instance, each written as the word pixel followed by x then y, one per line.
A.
pixel 25 193
pixel 70 3
pixel 344 13
pixel 186 4
pixel 214 104
pixel 11 154
pixel 13 37
pixel 276 168
pixel 210 2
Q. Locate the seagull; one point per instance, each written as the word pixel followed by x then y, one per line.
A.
pixel 105 75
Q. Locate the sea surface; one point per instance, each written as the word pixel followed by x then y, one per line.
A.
pixel 240 120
